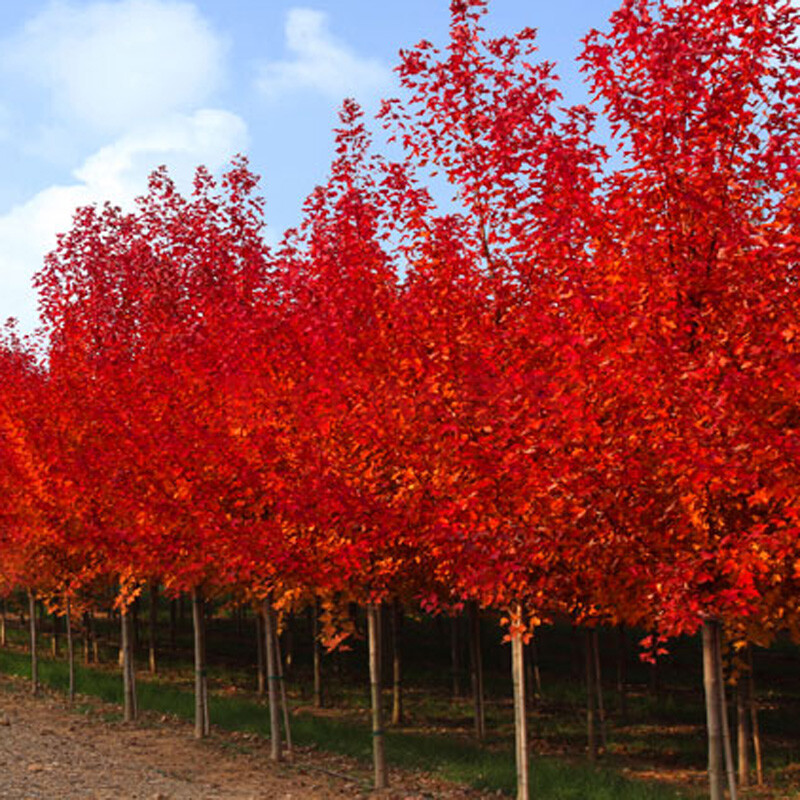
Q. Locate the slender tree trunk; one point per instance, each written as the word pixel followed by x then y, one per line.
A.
pixel 123 639
pixel 730 768
pixel 54 642
pixel 34 648
pixel 754 727
pixel 598 676
pixel 173 623
pixel 288 645
pixel 135 625
pixel 261 680
pixel 130 710
pixel 201 716
pixel 622 680
pixel 70 653
pixel 532 671
pixel 87 653
pixel 317 654
pixel 3 614
pixel 152 638
pixel 742 733
pixel 397 682
pixel 272 682
pixel 95 640
pixel 713 710
pixel 591 732
pixel 476 665
pixel 378 748
pixel 287 727
pixel 520 717
pixel 455 656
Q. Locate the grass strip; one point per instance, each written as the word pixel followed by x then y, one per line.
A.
pixel 447 757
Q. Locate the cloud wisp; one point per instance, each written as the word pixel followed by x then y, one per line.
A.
pixel 320 63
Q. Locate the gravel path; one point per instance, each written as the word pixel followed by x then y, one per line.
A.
pixel 48 751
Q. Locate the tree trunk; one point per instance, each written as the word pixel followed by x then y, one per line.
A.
pixel 54 648
pixel 730 769
pixel 201 716
pixel 591 732
pixel 272 682
pixel 135 625
pixel 288 645
pixel 598 678
pixel 287 728
pixel 378 748
pixel 713 710
pixel 152 630
pixel 622 682
pixel 317 654
pixel 397 685
pixel 455 656
pixel 173 623
pixel 261 678
pixel 130 711
pixel 87 657
pixel 70 653
pixel 3 614
pixel 742 733
pixel 520 717
pixel 476 667
pixel 95 640
pixel 754 727
pixel 34 649
pixel 533 674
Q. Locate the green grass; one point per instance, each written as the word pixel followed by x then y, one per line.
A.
pixel 450 757
pixel 663 730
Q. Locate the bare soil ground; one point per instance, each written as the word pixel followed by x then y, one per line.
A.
pixel 50 751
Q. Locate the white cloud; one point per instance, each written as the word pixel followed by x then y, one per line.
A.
pixel 208 136
pixel 112 65
pixel 321 63
pixel 117 173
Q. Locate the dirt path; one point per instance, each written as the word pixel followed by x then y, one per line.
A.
pixel 48 751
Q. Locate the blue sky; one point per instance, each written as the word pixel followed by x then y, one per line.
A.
pixel 94 95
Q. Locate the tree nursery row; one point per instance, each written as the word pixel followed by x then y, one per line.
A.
pixel 571 393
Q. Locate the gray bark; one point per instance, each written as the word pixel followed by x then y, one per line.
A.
pixel 397 678
pixel 476 666
pixel 34 643
pixel 201 716
pixel 70 653
pixel 130 710
pixel 275 751
pixel 591 728
pixel 713 711
pixel 520 718
pixel 317 654
pixel 287 728
pixel 152 637
pixel 378 744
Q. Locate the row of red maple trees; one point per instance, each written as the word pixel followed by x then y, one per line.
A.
pixel 578 393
